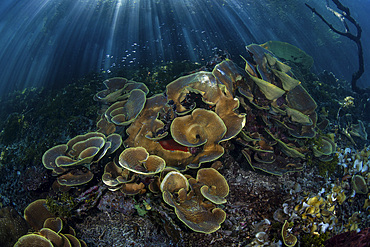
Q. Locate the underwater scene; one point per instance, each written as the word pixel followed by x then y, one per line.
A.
pixel 184 123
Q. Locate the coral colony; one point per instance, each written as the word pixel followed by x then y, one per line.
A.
pixel 168 144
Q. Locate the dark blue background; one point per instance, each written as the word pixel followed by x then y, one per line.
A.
pixel 50 42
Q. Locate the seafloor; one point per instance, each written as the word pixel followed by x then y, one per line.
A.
pixel 34 120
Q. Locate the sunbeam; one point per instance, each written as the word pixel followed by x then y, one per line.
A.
pixel 50 42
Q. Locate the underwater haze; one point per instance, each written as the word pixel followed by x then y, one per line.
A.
pixel 49 43
pixel 184 123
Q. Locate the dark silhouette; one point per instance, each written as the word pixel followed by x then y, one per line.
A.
pixel 346 15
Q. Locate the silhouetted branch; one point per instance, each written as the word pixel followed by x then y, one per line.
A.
pixel 346 15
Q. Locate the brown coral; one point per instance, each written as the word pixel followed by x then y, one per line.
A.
pixel 139 161
pixel 51 231
pixel 190 208
pixel 215 187
pixel 279 111
pixel 118 89
pixel 201 128
pixel 71 161
pixel 125 112
pixel 12 226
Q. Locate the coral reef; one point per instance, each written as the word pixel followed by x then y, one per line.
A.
pixel 242 155
pixel 183 128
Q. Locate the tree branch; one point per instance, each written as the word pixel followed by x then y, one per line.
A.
pixel 356 38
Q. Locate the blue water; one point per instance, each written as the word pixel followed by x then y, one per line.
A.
pixel 51 42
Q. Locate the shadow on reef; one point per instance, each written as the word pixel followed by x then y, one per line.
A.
pixel 221 155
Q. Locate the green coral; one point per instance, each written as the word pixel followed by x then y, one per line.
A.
pixel 13 128
pixel 62 205
pixel 142 208
pixel 309 240
pixel 327 168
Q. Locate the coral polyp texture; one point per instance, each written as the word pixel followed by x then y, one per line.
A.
pixel 165 143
